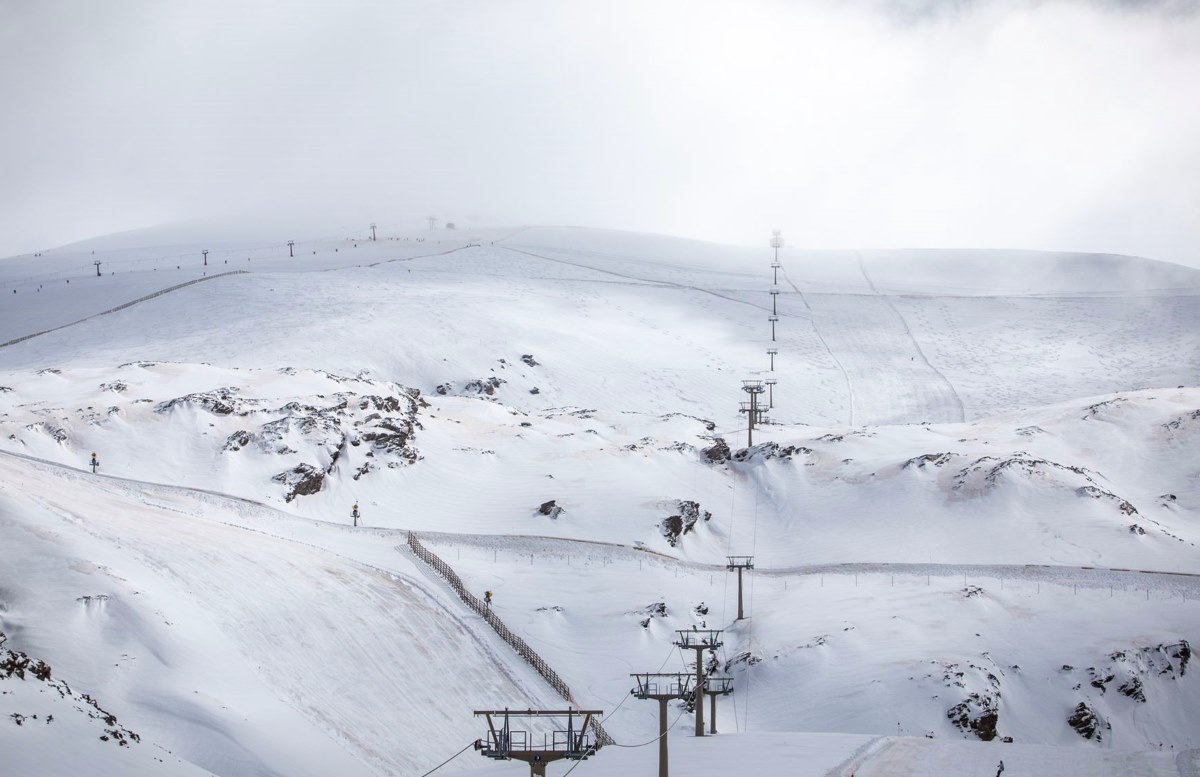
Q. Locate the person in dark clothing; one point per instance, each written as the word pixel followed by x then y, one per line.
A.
pixel 95 463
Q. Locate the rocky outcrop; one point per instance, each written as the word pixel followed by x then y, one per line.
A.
pixel 221 401
pixel 301 480
pixel 675 526
pixel 550 508
pixel 717 453
pixel 1088 723
pixel 17 667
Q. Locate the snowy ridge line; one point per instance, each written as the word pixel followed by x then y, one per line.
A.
pixel 120 307
pixel 1087 576
pixel 518 644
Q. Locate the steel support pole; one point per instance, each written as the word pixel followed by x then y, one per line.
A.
pixel 699 691
pixel 712 718
pixel 662 738
pixel 740 616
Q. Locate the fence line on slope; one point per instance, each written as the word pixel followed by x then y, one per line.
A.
pixel 519 645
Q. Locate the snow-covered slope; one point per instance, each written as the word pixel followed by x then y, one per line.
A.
pixel 965 446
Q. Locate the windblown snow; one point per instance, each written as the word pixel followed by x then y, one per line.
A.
pixel 973 504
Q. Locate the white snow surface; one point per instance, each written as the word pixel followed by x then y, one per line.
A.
pixel 979 492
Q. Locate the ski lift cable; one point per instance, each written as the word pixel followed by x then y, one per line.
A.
pixel 652 741
pixel 448 760
pixel 628 696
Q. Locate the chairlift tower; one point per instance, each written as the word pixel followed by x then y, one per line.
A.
pixel 774 320
pixel 505 743
pixel 772 352
pixel 432 222
pixel 776 243
pixel 663 688
pixel 205 252
pixel 713 687
pixel 97 263
pixel 770 384
pixel 775 301
pixel 372 231
pixel 753 388
pixel 740 563
pixel 291 252
pixel 699 640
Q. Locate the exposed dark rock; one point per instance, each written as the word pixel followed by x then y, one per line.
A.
pixel 528 359
pixel 1182 421
pixel 238 440
pixel 700 609
pixel 483 386
pixel 747 658
pixel 717 453
pixel 1099 493
pixel 1093 410
pixel 936 459
pixel 220 401
pixel 116 386
pixel 444 388
pixel 535 390
pixel 1087 723
pixel 301 480
pixel 1133 689
pixel 978 713
pixel 770 450
pixel 675 526
pixel 551 509
pixel 655 610
pixel 1135 529
pixel 989 469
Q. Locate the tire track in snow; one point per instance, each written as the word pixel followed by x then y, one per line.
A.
pixel 908 332
pixel 812 319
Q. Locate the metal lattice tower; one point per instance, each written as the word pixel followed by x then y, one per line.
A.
pixel 663 688
pixel 776 243
pixel 699 641
pixel 753 388
pixel 506 743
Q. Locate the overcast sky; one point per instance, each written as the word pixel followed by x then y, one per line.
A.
pixel 855 123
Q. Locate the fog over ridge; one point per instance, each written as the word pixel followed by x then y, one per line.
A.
pixel 1062 125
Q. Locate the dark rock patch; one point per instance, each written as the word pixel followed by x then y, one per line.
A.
pixel 1087 723
pixel 675 526
pixel 301 480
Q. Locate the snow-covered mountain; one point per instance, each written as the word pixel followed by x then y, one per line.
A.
pixel 973 512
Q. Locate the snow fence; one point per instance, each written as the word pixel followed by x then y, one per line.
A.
pixel 517 644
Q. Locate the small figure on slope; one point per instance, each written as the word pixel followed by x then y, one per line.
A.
pixel 487 599
pixel 354 514
pixel 95 463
